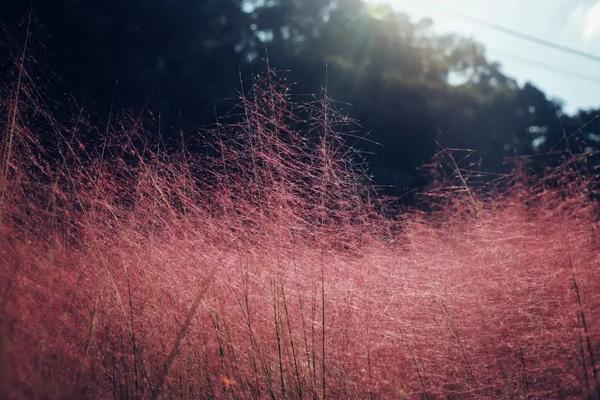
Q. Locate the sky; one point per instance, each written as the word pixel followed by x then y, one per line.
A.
pixel 570 23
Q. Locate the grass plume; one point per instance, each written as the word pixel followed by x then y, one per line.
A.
pixel 266 268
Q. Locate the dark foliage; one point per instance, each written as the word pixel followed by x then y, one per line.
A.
pixel 179 59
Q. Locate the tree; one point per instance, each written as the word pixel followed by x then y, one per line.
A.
pixel 411 89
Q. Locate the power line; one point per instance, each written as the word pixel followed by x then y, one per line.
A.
pixel 515 33
pixel 548 67
pixel 529 38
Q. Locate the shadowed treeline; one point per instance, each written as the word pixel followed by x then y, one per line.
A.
pixel 183 58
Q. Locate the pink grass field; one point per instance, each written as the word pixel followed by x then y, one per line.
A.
pixel 269 269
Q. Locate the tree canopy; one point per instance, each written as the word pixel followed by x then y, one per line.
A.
pixel 412 90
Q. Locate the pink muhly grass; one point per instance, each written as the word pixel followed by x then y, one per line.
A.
pixel 268 270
